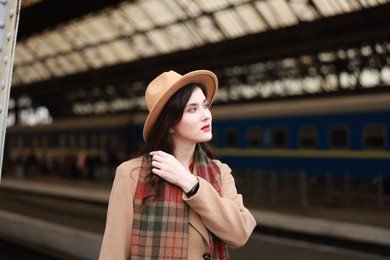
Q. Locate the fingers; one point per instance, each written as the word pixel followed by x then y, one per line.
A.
pixel 156 164
pixel 162 164
pixel 169 168
pixel 152 153
pixel 159 154
pixel 156 171
pixel 159 168
pixel 158 160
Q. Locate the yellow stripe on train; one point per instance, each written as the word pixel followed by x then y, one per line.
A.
pixel 251 152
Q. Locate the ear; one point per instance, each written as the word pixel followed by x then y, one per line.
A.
pixel 171 131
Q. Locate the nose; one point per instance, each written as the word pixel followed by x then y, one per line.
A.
pixel 206 114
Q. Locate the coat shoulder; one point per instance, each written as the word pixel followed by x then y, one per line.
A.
pixel 222 166
pixel 129 168
pixel 130 164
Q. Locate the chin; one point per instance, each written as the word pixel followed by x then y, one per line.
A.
pixel 206 138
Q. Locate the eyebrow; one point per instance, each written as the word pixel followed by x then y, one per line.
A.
pixel 194 104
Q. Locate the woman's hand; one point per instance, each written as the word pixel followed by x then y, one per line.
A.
pixel 170 169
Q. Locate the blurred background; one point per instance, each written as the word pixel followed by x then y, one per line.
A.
pixel 302 117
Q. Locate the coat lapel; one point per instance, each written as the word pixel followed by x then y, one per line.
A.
pixel 195 221
pixel 198 225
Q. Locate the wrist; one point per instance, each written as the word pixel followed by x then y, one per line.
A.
pixel 189 183
pixel 192 191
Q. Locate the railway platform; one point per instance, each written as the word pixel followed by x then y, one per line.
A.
pixel 78 229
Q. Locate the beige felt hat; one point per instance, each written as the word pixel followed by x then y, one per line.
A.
pixel 161 89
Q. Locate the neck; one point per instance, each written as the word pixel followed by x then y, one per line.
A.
pixel 185 154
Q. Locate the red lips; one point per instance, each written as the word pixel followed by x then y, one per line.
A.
pixel 206 127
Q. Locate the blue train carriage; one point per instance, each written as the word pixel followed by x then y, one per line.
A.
pixel 338 136
pixel 100 141
pixel 335 136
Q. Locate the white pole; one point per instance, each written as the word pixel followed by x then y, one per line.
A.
pixel 9 20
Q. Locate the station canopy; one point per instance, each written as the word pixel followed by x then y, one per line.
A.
pixel 260 48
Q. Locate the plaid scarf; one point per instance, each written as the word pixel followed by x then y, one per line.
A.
pixel 160 230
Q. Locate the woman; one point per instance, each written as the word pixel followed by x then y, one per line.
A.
pixel 173 201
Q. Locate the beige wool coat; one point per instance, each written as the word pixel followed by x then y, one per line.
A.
pixel 225 215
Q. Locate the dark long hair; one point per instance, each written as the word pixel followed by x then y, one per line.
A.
pixel 161 139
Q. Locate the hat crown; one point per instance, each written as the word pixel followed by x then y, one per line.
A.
pixel 159 86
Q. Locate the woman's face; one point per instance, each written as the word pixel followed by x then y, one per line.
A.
pixel 195 124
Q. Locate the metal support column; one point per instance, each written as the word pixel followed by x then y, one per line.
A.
pixel 9 20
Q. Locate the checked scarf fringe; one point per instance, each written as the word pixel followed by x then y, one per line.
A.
pixel 160 230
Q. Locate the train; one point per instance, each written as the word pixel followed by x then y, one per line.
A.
pixel 318 136
pixel 338 135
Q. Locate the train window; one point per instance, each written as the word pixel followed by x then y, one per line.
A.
pixel 279 137
pixel 52 140
pixel 93 140
pixel 103 139
pixel 308 137
pixel 231 138
pixel 44 141
pixel 20 141
pixel 35 142
pixel 254 137
pixel 114 140
pixel 82 141
pixel 339 137
pixel 374 136
pixel 62 140
pixel 72 141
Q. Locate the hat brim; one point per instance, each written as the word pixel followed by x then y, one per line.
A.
pixel 204 77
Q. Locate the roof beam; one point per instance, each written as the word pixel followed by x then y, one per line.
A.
pixel 48 14
pixel 352 29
